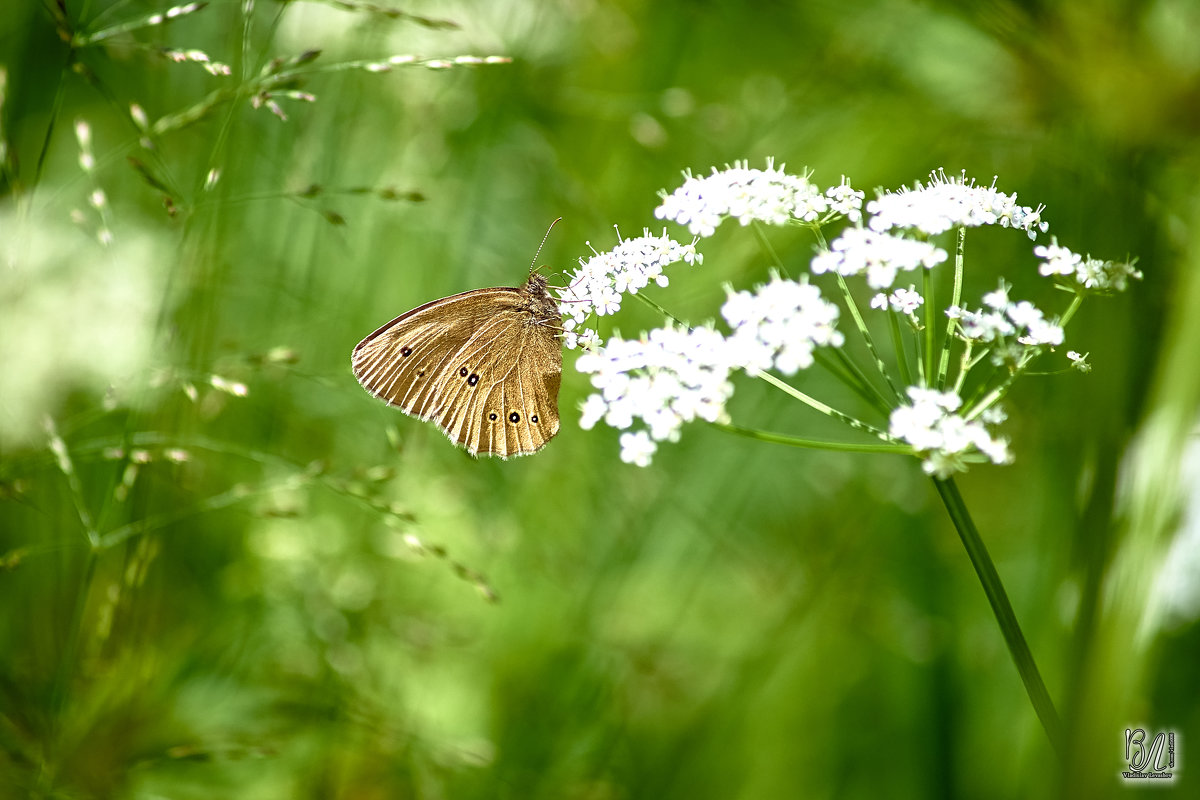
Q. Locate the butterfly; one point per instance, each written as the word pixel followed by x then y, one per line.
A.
pixel 485 366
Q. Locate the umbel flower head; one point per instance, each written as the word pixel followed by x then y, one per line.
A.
pixel 651 386
pixel 666 378
pixel 748 195
pixel 597 287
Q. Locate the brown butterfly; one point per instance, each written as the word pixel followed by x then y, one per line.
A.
pixel 485 365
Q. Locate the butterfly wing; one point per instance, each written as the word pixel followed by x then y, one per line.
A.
pixel 516 412
pixel 478 364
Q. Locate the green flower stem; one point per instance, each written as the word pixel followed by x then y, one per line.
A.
pixel 66 466
pixel 885 403
pixel 859 382
pixel 73 641
pixel 930 321
pixel 964 367
pixel 898 346
pixel 1076 301
pixel 661 310
pixel 993 587
pixel 944 364
pixel 851 381
pixel 83 38
pixel 765 244
pixel 68 666
pixel 814 444
pixel 997 394
pixel 817 405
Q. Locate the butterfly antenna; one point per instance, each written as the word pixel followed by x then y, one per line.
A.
pixel 533 265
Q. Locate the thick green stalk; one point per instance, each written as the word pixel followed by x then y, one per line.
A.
pixel 993 587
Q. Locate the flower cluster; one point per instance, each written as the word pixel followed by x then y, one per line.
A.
pixel 675 375
pixel 779 325
pixel 771 196
pixel 596 287
pixel 1007 319
pixel 1089 273
pixel 947 203
pixel 663 380
pixel 945 439
pixel 878 256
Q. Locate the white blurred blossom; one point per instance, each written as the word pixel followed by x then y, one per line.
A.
pixel 1176 584
pixel 73 317
pixel 637 448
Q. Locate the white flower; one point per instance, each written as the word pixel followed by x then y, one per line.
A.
pixel 1057 260
pixel 946 439
pixel 574 339
pixel 597 286
pixel 659 382
pixel 879 256
pixel 779 325
pixel 845 200
pixel 771 196
pixel 999 298
pixel 1078 361
pixel 947 203
pixel 1088 272
pixel 1037 329
pixel 904 301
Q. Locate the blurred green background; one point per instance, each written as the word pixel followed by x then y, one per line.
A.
pixel 299 592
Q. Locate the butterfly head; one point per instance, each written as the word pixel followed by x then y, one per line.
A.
pixel 540 302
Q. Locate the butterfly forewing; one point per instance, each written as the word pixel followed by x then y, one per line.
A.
pixel 484 365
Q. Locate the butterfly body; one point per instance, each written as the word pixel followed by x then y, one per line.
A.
pixel 483 365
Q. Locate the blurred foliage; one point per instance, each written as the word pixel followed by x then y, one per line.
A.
pixel 293 591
